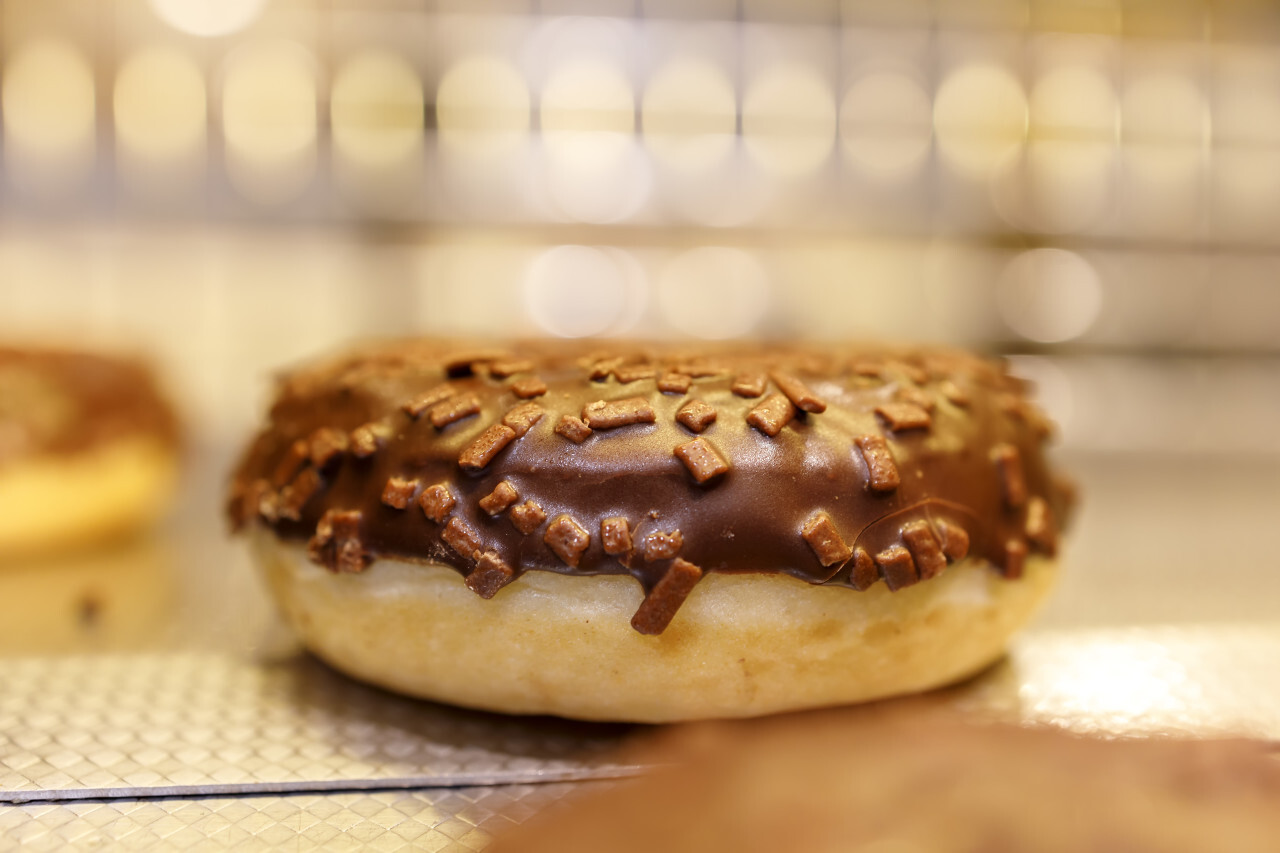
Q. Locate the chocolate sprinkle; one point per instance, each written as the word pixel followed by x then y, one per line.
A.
pixel 825 540
pixel 903 416
pixel 1013 484
pixel 368 439
pixel 490 575
pixel 615 535
pixel 567 538
pixel 399 492
pixel 955 540
pixel 662 546
pixel 702 459
pixel 462 538
pixel 772 414
pixel 290 463
pixel 618 413
pixel 696 415
pixel 336 543
pixel 503 369
pixel 437 502
pixel 798 393
pixel 882 471
pixel 897 567
pixel 453 410
pixel 660 605
pixel 527 517
pixel 1015 558
pixel 325 445
pixel 633 373
pixel 481 451
pixel 1040 527
pixel 295 496
pixel 502 497
pixel 749 384
pixel 522 418
pixel 573 429
pixel 864 572
pixel 528 386
pixel 925 549
pixel 674 383
pixel 419 404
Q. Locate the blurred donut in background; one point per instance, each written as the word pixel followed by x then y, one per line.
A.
pixel 88 450
pixel 904 778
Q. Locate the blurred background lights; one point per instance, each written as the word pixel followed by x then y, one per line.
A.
pixel 1049 295
pixel 979 117
pixel 884 125
pixel 789 119
pixel 1074 102
pixel 595 169
pixel 375 109
pixel 208 17
pixel 1164 109
pixel 1070 159
pixel 579 291
pixel 482 107
pixel 269 119
pixel 159 104
pixel 713 292
pixel 689 114
pixel 49 114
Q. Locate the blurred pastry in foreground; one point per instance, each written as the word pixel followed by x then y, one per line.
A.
pixel 88 449
pixel 890 782
pixel 624 531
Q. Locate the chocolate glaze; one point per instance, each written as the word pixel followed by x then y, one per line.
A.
pixel 751 518
pixel 59 402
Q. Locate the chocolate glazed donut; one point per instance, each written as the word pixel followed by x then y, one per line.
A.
pixel 855 472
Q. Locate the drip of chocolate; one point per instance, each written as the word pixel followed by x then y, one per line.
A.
pixel 840 467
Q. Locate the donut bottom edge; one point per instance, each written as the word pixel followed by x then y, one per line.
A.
pixel 742 645
pixel 57 503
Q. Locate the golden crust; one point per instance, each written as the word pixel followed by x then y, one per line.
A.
pixel 54 502
pixel 742 645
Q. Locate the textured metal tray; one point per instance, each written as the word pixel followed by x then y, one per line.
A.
pixel 460 820
pixel 188 724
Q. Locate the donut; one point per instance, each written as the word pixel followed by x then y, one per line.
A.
pixel 88 449
pixel 917 781
pixel 650 532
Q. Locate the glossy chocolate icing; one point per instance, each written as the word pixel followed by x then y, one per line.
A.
pixel 762 514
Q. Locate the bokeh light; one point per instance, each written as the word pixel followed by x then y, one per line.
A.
pixel 159 105
pixel 713 292
pixel 49 115
pixel 269 119
pixel 595 169
pixel 885 126
pixel 482 108
pixel 208 17
pixel 1070 161
pixel 689 114
pixel 980 118
pixel 1165 124
pixel 375 110
pixel 1049 295
pixel 789 119
pixel 579 291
